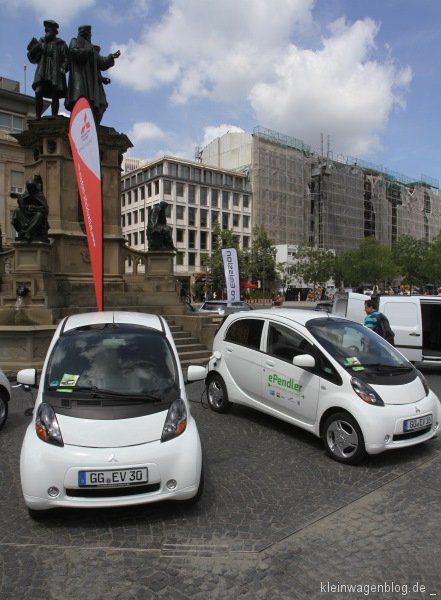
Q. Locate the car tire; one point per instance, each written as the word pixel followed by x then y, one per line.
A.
pixel 217 394
pixel 343 438
pixel 3 409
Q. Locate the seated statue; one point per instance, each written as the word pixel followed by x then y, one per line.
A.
pixel 30 218
pixel 159 234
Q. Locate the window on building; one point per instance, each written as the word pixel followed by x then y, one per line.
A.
pixel 235 199
pixel 167 187
pixel 180 235
pixel 225 200
pixel 149 190
pixel 207 176
pixel 191 238
pixel 203 196
pixel 179 258
pixel 214 199
pixel 141 215
pixel 179 212
pixel 17 181
pixel 142 192
pixel 246 221
pixel 129 219
pixel 142 237
pixel 123 220
pixel 228 181
pixel 135 238
pixel 192 194
pixel 180 189
pixel 129 239
pixel 191 216
pixel 214 217
pixel 135 217
pixel 129 197
pixel 156 184
pixel 236 220
pixel 184 172
pixel 203 240
pixel 10 122
pixel 135 195
pixel 225 220
pixel 173 169
pixel 203 217
pixel 245 242
pixel 192 259
pixel 246 201
pixel 195 174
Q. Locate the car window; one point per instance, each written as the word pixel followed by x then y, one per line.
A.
pixel 285 343
pixel 122 359
pixel 246 332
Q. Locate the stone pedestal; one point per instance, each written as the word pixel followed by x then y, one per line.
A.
pixel 57 276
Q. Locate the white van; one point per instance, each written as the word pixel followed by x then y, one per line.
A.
pixel 415 320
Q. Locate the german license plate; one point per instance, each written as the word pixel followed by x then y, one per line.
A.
pixel 115 478
pixel 417 423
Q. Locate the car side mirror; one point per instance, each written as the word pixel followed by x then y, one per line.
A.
pixel 27 377
pixel 305 361
pixel 195 373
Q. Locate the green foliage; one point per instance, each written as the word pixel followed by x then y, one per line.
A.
pixel 372 262
pixel 257 263
pixel 314 265
pixel 411 255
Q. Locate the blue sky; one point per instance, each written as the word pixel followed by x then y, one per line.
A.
pixel 363 75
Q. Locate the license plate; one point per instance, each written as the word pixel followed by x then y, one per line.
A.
pixel 417 423
pixel 115 478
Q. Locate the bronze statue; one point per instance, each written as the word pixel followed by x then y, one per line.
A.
pixel 85 79
pixel 30 218
pixel 159 234
pixel 50 54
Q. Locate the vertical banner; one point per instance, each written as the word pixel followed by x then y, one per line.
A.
pixel 231 270
pixel 85 151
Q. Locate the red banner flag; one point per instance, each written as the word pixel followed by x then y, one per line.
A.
pixel 85 151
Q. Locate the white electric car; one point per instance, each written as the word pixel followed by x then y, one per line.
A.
pixel 111 424
pixel 328 375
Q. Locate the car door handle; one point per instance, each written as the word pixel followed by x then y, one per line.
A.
pixel 270 363
pixel 415 334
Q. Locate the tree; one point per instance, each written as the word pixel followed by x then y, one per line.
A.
pixel 314 265
pixel 262 258
pixel 412 257
pixel 371 262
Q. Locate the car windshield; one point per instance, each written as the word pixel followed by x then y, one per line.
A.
pixel 118 358
pixel 356 347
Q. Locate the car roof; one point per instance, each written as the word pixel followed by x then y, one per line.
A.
pixel 296 315
pixel 95 318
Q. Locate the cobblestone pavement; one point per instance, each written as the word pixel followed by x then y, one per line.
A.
pixel 278 520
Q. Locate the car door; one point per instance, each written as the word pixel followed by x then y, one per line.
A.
pixel 242 355
pixel 404 316
pixel 286 388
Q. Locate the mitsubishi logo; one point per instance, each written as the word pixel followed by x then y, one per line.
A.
pixel 112 458
pixel 417 409
pixel 86 125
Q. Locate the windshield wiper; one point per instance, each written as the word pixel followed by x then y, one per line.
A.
pixel 96 392
pixel 383 367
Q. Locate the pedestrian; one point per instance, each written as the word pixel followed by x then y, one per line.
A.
pixel 378 322
pixel 50 53
pixel 85 79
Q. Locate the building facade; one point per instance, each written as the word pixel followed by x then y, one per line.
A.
pixel 300 196
pixel 198 196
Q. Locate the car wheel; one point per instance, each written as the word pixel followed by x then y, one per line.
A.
pixel 217 394
pixel 343 438
pixel 3 409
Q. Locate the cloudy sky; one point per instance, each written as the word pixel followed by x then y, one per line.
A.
pixel 360 77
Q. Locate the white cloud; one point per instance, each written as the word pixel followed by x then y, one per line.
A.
pixel 145 131
pixel 337 90
pixel 213 131
pixel 61 10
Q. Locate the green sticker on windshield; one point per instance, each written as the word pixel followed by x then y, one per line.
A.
pixel 359 368
pixel 69 380
pixel 350 361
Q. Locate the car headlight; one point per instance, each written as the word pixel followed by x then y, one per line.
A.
pixel 176 421
pixel 366 392
pixel 424 382
pixel 46 425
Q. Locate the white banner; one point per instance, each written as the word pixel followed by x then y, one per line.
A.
pixel 231 270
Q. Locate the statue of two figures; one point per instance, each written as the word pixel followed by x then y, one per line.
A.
pixel 82 62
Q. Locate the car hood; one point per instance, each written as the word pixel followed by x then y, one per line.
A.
pixel 110 433
pixel 408 393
